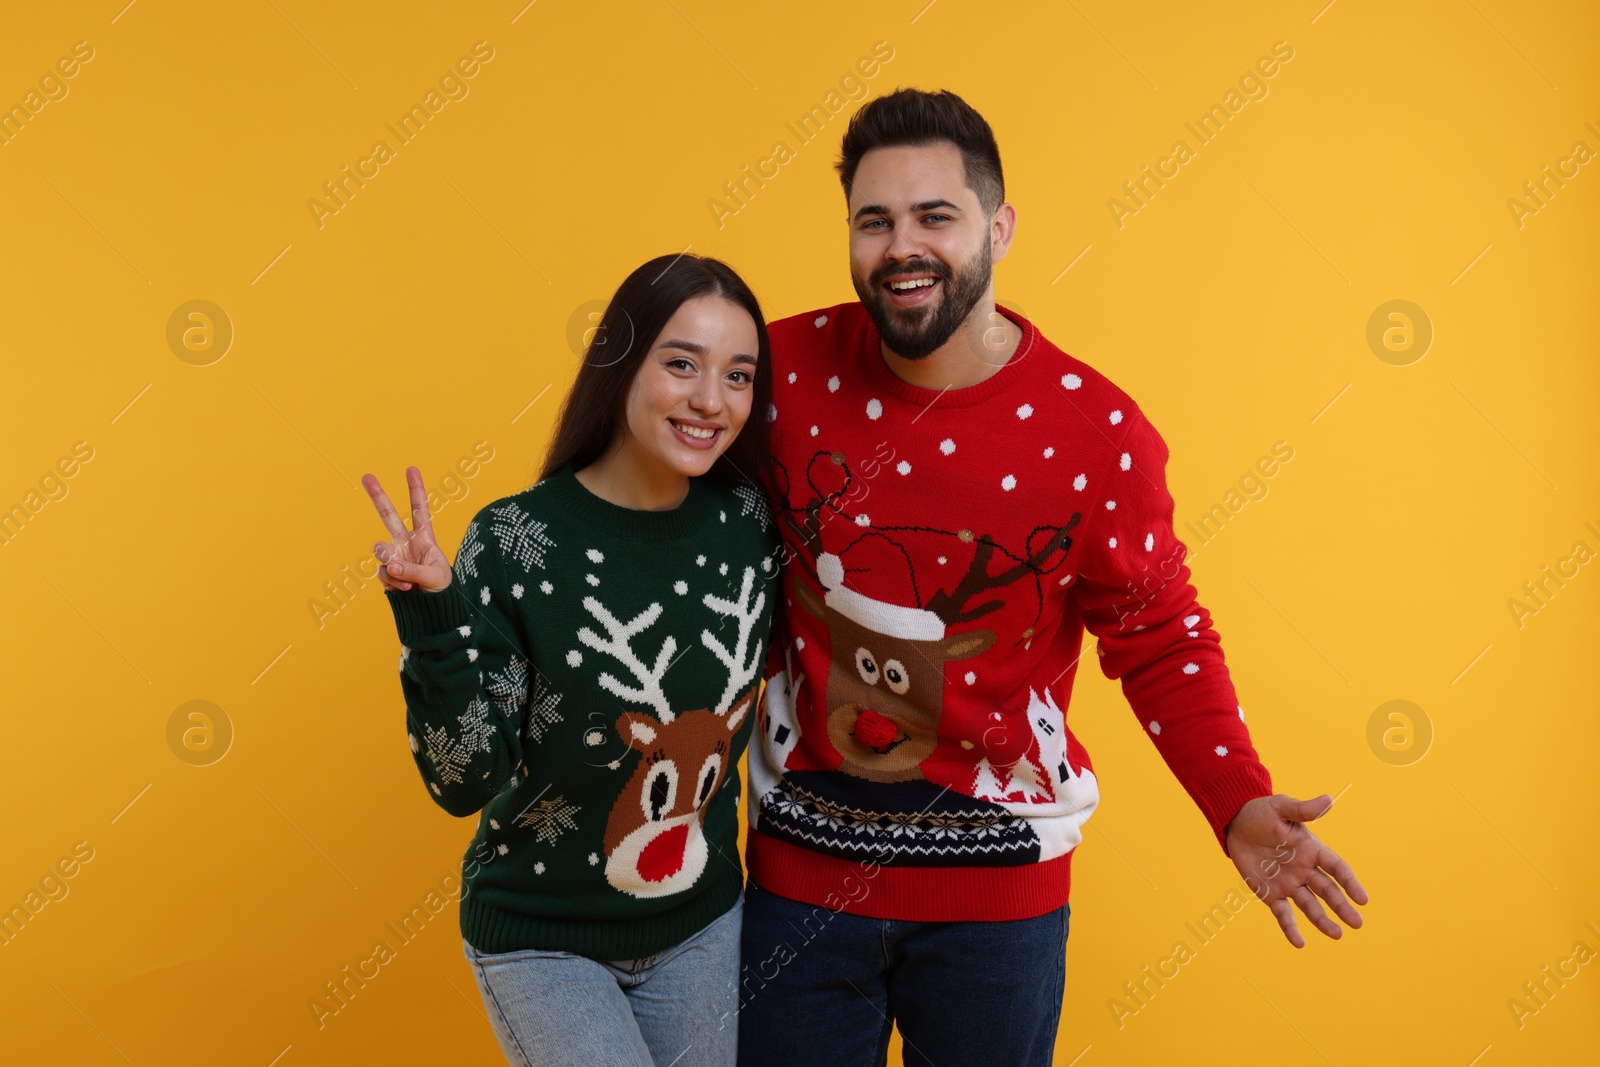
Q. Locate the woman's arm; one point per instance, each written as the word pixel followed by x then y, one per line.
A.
pixel 465 674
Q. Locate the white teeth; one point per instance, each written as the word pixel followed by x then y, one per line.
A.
pixel 696 431
pixel 918 283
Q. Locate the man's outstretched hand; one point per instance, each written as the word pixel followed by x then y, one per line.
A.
pixel 1281 861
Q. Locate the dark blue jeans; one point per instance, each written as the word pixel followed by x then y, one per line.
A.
pixel 822 989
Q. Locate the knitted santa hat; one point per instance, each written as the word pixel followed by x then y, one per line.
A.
pixel 888 567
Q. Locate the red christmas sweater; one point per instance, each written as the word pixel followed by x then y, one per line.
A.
pixel 944 553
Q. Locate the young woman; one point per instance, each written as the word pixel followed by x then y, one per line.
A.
pixel 584 679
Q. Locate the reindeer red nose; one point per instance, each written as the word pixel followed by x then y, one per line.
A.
pixel 874 731
pixel 663 856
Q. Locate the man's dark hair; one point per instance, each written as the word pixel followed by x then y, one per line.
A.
pixel 913 117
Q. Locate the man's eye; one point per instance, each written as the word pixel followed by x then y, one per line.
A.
pixel 875 222
pixel 935 218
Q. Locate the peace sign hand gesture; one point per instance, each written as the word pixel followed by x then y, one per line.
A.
pixel 412 557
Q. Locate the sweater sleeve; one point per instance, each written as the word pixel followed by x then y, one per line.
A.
pixel 464 673
pixel 1155 637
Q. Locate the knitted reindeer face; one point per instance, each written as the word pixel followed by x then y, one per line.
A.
pixel 886 692
pixel 654 841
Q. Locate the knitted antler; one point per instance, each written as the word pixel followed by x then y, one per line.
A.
pixel 649 678
pixel 950 606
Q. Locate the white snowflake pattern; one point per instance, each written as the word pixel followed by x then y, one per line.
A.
pixel 521 536
pixel 549 819
pixel 1071 381
pixel 509 687
pixel 542 712
pixel 467 555
pixel 753 501
pixel 447 755
pixel 476 729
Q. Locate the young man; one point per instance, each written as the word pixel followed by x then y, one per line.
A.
pixel 959 500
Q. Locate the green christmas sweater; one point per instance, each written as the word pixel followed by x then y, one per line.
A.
pixel 586 685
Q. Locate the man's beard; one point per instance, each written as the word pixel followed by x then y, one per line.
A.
pixel 915 333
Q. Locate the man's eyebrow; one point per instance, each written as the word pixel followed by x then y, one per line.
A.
pixel 924 205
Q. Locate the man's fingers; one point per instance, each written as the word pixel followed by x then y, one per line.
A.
pixel 1315 808
pixel 1303 896
pixel 380 500
pixel 1285 916
pixel 1327 890
pixel 1342 874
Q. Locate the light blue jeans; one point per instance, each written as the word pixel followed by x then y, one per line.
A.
pixel 678 1008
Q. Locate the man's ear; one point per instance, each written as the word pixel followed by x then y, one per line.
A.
pixel 1001 232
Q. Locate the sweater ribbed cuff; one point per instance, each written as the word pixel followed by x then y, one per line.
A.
pixel 1221 797
pixel 419 614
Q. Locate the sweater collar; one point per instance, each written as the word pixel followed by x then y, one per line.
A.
pixel 632 524
pixel 996 383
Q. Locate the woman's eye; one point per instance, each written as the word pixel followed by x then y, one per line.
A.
pixel 680 363
pixel 745 377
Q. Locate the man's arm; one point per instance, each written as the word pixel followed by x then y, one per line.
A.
pixel 1157 639
pixel 1154 635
